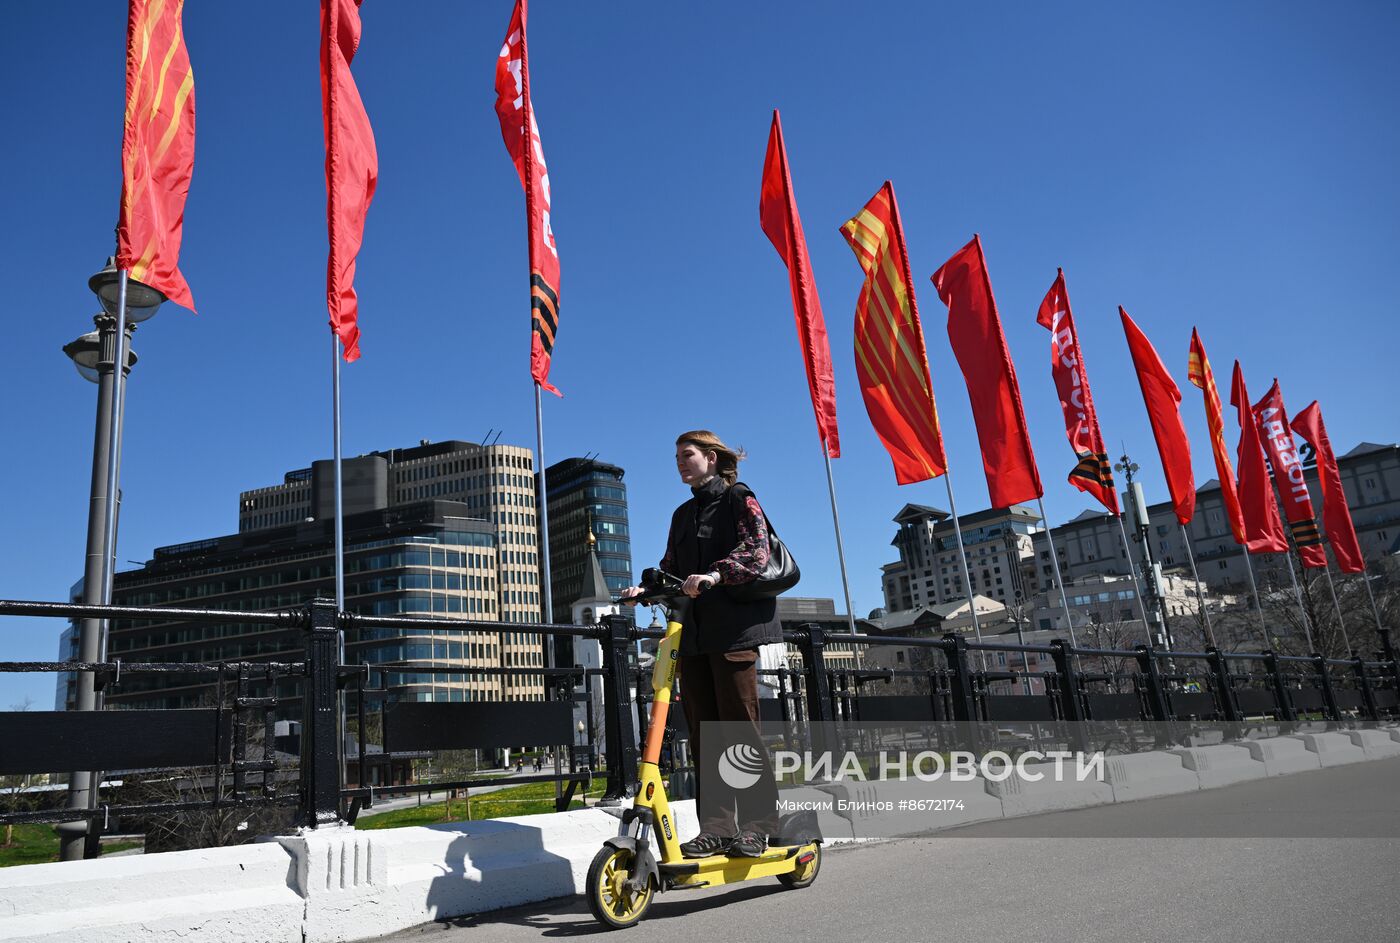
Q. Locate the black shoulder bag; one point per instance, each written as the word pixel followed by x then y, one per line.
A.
pixel 780 575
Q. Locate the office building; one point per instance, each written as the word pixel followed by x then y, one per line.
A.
pixel 587 510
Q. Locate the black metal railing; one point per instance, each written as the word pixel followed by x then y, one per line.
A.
pixel 232 736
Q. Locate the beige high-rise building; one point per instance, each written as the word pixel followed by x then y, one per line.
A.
pixel 496 483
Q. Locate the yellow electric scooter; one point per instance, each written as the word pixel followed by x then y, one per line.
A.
pixel 627 873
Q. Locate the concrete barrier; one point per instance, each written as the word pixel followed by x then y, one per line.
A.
pixel 1144 775
pixel 942 804
pixel 358 884
pixel 1282 755
pixel 1221 765
pixel 1332 748
pixel 1376 744
pixel 1020 797
pixel 239 893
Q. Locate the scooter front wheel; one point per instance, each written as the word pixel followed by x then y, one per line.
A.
pixel 614 904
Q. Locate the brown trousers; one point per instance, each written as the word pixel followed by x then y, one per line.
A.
pixel 723 686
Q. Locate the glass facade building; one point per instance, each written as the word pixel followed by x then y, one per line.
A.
pixel 586 494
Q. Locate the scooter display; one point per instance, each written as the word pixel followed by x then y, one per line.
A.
pixel 645 859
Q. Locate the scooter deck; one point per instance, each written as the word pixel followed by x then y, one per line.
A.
pixel 715 870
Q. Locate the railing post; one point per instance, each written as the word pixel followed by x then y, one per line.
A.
pixel 1368 697
pixel 812 644
pixel 1329 696
pixel 1156 697
pixel 1285 703
pixel 1224 687
pixel 964 697
pixel 320 739
pixel 1070 702
pixel 619 722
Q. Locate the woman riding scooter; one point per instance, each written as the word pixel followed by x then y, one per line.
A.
pixel 719 538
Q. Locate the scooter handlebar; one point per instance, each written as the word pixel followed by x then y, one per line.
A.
pixel 658 586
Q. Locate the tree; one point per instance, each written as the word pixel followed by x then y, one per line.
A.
pixel 232 825
pixel 16 790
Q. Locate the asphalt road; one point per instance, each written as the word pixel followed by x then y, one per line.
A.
pixel 1024 880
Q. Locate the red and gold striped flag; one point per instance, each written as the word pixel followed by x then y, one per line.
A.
pixel 1198 371
pixel 157 148
pixel 891 361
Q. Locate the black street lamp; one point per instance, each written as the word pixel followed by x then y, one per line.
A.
pixel 141 300
pixel 95 356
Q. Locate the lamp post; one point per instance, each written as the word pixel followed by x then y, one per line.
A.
pixel 1142 532
pixel 95 355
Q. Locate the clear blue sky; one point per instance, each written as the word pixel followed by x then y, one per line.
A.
pixel 1226 165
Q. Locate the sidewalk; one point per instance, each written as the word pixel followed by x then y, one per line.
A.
pixel 395 803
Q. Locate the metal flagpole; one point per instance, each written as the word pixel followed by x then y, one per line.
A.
pixel 542 518
pixel 1137 586
pixel 1059 581
pixel 1258 600
pixel 339 542
pixel 1298 594
pixel 339 507
pixel 840 549
pixel 1341 623
pixel 1365 578
pixel 962 558
pixel 109 533
pixel 546 593
pixel 1200 597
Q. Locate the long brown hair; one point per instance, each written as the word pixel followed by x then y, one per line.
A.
pixel 727 466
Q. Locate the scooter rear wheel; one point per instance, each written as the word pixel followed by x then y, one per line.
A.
pixel 615 906
pixel 804 874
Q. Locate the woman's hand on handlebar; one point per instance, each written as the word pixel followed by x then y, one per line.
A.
pixel 697 583
pixel 628 597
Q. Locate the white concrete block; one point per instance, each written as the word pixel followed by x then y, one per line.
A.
pixel 1143 775
pixel 1025 796
pixel 1332 748
pixel 931 805
pixel 216 894
pixel 833 825
pixel 1377 744
pixel 1221 765
pixel 1282 755
pixel 360 884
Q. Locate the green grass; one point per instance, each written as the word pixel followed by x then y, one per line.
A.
pixel 38 844
pixel 531 799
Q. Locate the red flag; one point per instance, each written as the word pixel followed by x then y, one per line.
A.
pixel 980 346
pixel 1336 516
pixel 352 166
pixel 1094 473
pixel 1163 400
pixel 522 137
pixel 1202 376
pixel 1272 417
pixel 157 148
pixel 777 214
pixel 891 361
pixel 1263 528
